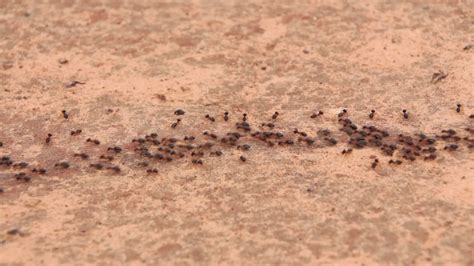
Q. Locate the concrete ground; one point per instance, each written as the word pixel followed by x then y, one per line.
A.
pixel 136 62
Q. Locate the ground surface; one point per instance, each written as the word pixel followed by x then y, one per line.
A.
pixel 142 60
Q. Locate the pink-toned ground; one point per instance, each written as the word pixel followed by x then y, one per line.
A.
pixel 142 60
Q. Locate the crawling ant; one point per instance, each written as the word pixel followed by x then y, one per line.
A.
pixel 197 161
pixel 458 108
pixel 65 114
pixel 95 141
pixel 242 158
pixel 216 153
pixel 210 118
pixel 174 125
pixel 83 156
pixel 275 115
pixel 76 132
pixel 374 163
pixel 97 166
pixel 40 171
pixel 22 176
pixel 179 112
pixel 1 144
pixel 226 116
pixel 152 171
pixel 244 117
pixel 451 147
pixel 20 165
pixel 115 149
pixel 343 112
pixel 314 115
pixel 396 162
pixel 48 139
pixel 244 147
pixel 471 116
pixel 372 114
pixel 105 157
pixel 405 113
pixel 115 169
pixel 430 157
pixel 62 165
pixel 347 151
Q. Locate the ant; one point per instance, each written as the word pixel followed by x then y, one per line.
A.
pixel 314 115
pixel 97 166
pixel 179 112
pixel 242 158
pixel 210 118
pixel 115 169
pixel 451 147
pixel 65 114
pixel 216 153
pixel 197 161
pixel 1 144
pixel 20 165
pixel 344 111
pixel 405 113
pixel 62 165
pixel 152 171
pixel 275 115
pixel 76 132
pixel 372 114
pixel 82 155
pixel 347 151
pixel 115 149
pixel 374 163
pixel 40 171
pixel 48 139
pixel 244 147
pixel 95 141
pixel 244 118
pixel 396 162
pixel 108 158
pixel 174 125
pixel 226 116
pixel 458 108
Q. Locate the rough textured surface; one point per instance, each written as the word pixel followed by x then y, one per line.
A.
pixel 141 60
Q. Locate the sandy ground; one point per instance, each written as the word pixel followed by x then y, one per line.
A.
pixel 139 61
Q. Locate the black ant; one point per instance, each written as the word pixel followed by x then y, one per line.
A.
pixel 226 116
pixel 458 108
pixel 347 151
pixel 396 162
pixel 372 114
pixel 62 165
pixel 95 141
pixel 115 149
pixel 97 166
pixel 314 115
pixel 174 125
pixel 343 112
pixel 197 161
pixel 244 117
pixel 48 139
pixel 82 155
pixel 115 169
pixel 105 157
pixel 275 115
pixel 210 118
pixel 65 114
pixel 20 165
pixel 76 132
pixel 405 113
pixel 179 112
pixel 242 158
pixel 152 171
pixel 374 163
